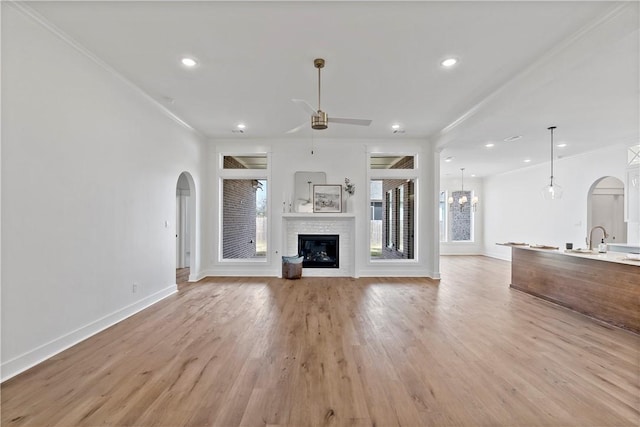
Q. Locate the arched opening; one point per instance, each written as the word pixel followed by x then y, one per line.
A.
pixel 185 226
pixel 605 207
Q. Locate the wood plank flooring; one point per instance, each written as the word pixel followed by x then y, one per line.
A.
pixel 380 352
pixel 182 275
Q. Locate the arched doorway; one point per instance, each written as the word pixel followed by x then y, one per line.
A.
pixel 185 226
pixel 605 207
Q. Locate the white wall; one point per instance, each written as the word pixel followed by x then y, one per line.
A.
pixel 515 210
pixel 89 173
pixel 338 159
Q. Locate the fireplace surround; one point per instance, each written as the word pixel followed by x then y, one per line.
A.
pixel 342 224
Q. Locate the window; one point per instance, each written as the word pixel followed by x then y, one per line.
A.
pixel 376 219
pixel 391 162
pixel 244 192
pixel 390 216
pixel 461 224
pixel 396 225
pixel 244 218
pixel 633 155
pixel 442 216
pixel 256 161
pixel 401 218
pixel 393 206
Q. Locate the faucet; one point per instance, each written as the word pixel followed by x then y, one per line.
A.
pixel 590 238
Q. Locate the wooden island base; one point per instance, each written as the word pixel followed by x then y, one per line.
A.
pixel 605 290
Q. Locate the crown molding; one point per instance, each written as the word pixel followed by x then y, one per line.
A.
pixel 26 10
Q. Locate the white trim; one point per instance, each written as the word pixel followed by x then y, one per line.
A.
pixel 238 271
pixel 13 367
pixel 195 277
pixel 393 272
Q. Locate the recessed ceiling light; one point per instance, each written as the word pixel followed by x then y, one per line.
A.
pixel 241 126
pixel 562 145
pixel 449 62
pixel 188 62
pixel 448 159
pixel 526 160
pixel 512 138
pixel 473 175
pixel 489 144
pixel 395 126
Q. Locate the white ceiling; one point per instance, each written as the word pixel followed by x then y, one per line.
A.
pixel 523 66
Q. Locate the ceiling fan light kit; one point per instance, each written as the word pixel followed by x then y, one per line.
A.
pixel 319 121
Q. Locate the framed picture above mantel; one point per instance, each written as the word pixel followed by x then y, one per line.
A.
pixel 327 198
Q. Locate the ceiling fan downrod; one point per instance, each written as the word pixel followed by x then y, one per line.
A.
pixel 320 120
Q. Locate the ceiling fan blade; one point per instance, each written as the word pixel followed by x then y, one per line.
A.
pixel 306 106
pixel 359 122
pixel 297 128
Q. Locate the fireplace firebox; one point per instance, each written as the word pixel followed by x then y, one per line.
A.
pixel 319 250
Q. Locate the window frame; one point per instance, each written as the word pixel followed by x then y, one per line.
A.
pixel 248 174
pixel 472 218
pixel 400 174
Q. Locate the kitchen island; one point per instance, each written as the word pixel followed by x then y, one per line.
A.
pixel 604 286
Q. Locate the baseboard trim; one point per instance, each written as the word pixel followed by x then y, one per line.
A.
pixel 238 271
pixel 196 277
pixel 38 355
pixel 397 273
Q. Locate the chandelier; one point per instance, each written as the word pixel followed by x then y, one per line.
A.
pixel 463 199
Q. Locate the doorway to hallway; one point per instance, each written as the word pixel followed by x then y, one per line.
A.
pixel 185 220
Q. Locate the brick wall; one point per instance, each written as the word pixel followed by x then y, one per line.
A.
pixel 239 219
pixel 404 163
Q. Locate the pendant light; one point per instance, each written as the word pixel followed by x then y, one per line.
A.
pixel 551 191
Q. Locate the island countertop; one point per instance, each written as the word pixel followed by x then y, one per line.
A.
pixel 604 286
pixel 609 256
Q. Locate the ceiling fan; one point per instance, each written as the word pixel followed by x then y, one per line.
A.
pixel 319 119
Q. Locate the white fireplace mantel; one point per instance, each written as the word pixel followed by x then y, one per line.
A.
pixel 342 224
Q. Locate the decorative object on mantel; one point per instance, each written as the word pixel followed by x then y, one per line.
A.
pixel 327 198
pixel 551 191
pixel 350 189
pixel 303 186
pixel 306 205
pixel 463 199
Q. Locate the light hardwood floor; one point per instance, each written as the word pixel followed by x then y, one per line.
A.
pixel 342 352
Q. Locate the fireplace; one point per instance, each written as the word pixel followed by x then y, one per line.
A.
pixel 319 250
